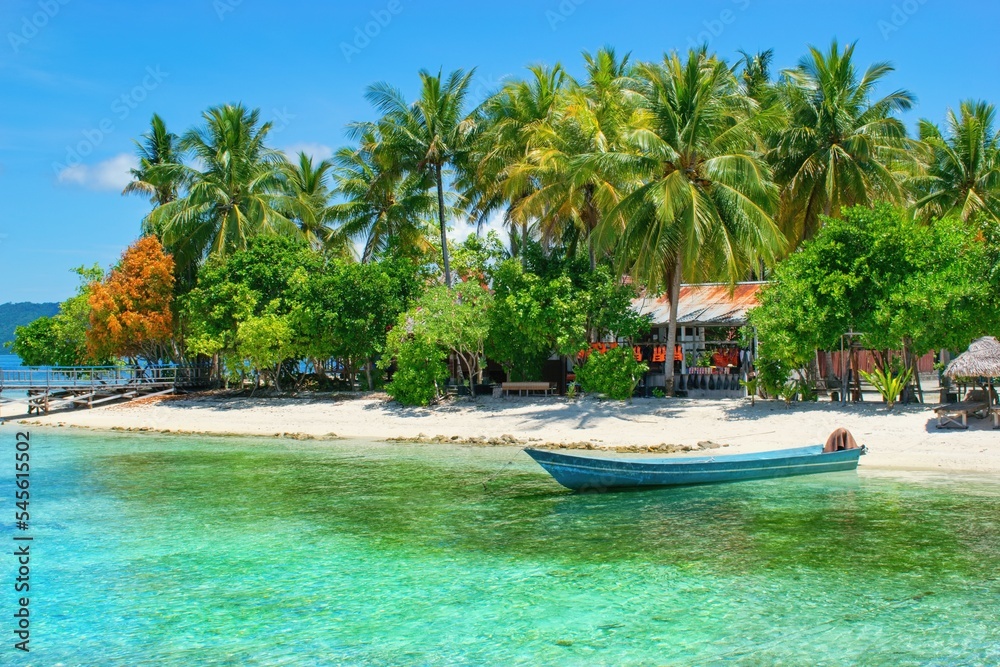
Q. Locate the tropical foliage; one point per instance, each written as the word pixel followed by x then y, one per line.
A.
pixel 130 310
pixel 904 285
pixel 631 178
pixel 614 374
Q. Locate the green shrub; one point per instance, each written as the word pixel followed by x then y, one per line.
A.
pixel 421 369
pixel 614 373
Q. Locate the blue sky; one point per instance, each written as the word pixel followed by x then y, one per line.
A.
pixel 81 78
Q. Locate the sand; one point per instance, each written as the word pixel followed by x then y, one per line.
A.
pixel 905 438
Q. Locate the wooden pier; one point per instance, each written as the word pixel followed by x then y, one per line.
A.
pixel 87 386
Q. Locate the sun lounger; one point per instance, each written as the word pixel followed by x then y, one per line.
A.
pixel 976 403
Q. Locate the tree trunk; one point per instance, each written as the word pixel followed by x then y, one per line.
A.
pixel 524 245
pixel 828 361
pixel 368 374
pixel 590 218
pixel 215 375
pixel 675 293
pixel 444 228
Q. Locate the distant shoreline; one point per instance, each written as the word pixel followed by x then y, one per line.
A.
pixel 904 439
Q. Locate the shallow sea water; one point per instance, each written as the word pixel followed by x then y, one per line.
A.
pixel 160 550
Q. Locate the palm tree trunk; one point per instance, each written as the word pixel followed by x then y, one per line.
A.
pixel 444 229
pixel 675 294
pixel 590 215
pixel 524 245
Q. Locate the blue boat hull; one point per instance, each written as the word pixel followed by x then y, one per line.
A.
pixel 583 473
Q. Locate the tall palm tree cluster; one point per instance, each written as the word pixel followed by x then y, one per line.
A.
pixel 689 168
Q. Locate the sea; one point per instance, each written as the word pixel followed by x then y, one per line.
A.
pixel 151 549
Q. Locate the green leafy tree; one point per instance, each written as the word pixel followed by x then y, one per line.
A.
pixel 905 285
pixel 531 319
pixel 260 280
pixel 344 311
pixel 443 321
pixel 421 367
pixel 265 342
pixel 614 373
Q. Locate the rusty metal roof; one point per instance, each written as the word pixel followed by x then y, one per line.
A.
pixel 703 304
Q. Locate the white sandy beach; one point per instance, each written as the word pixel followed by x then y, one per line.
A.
pixel 905 438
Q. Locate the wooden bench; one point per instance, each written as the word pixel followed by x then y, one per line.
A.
pixel 958 413
pixel 526 387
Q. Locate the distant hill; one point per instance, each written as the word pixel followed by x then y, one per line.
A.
pixel 18 314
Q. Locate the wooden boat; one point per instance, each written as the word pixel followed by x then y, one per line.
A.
pixel 597 473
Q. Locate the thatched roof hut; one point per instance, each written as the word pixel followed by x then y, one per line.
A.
pixel 982 359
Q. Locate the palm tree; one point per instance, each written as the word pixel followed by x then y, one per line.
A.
pixel 235 191
pixel 704 208
pixel 575 193
pixel 158 147
pixel 840 147
pixel 756 75
pixel 306 184
pixel 961 169
pixel 498 175
pixel 379 206
pixel 427 136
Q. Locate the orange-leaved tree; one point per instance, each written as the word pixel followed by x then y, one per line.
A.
pixel 131 308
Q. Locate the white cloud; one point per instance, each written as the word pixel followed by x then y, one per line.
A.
pixel 111 174
pixel 461 229
pixel 318 152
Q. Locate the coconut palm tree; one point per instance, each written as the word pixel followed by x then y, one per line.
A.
pixel 379 206
pixel 575 193
pixel 842 146
pixel 306 184
pixel 705 207
pixel 755 74
pixel 960 168
pixel 498 176
pixel 425 137
pixel 235 188
pixel 158 147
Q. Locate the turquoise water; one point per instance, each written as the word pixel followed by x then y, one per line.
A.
pixel 161 550
pixel 9 360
